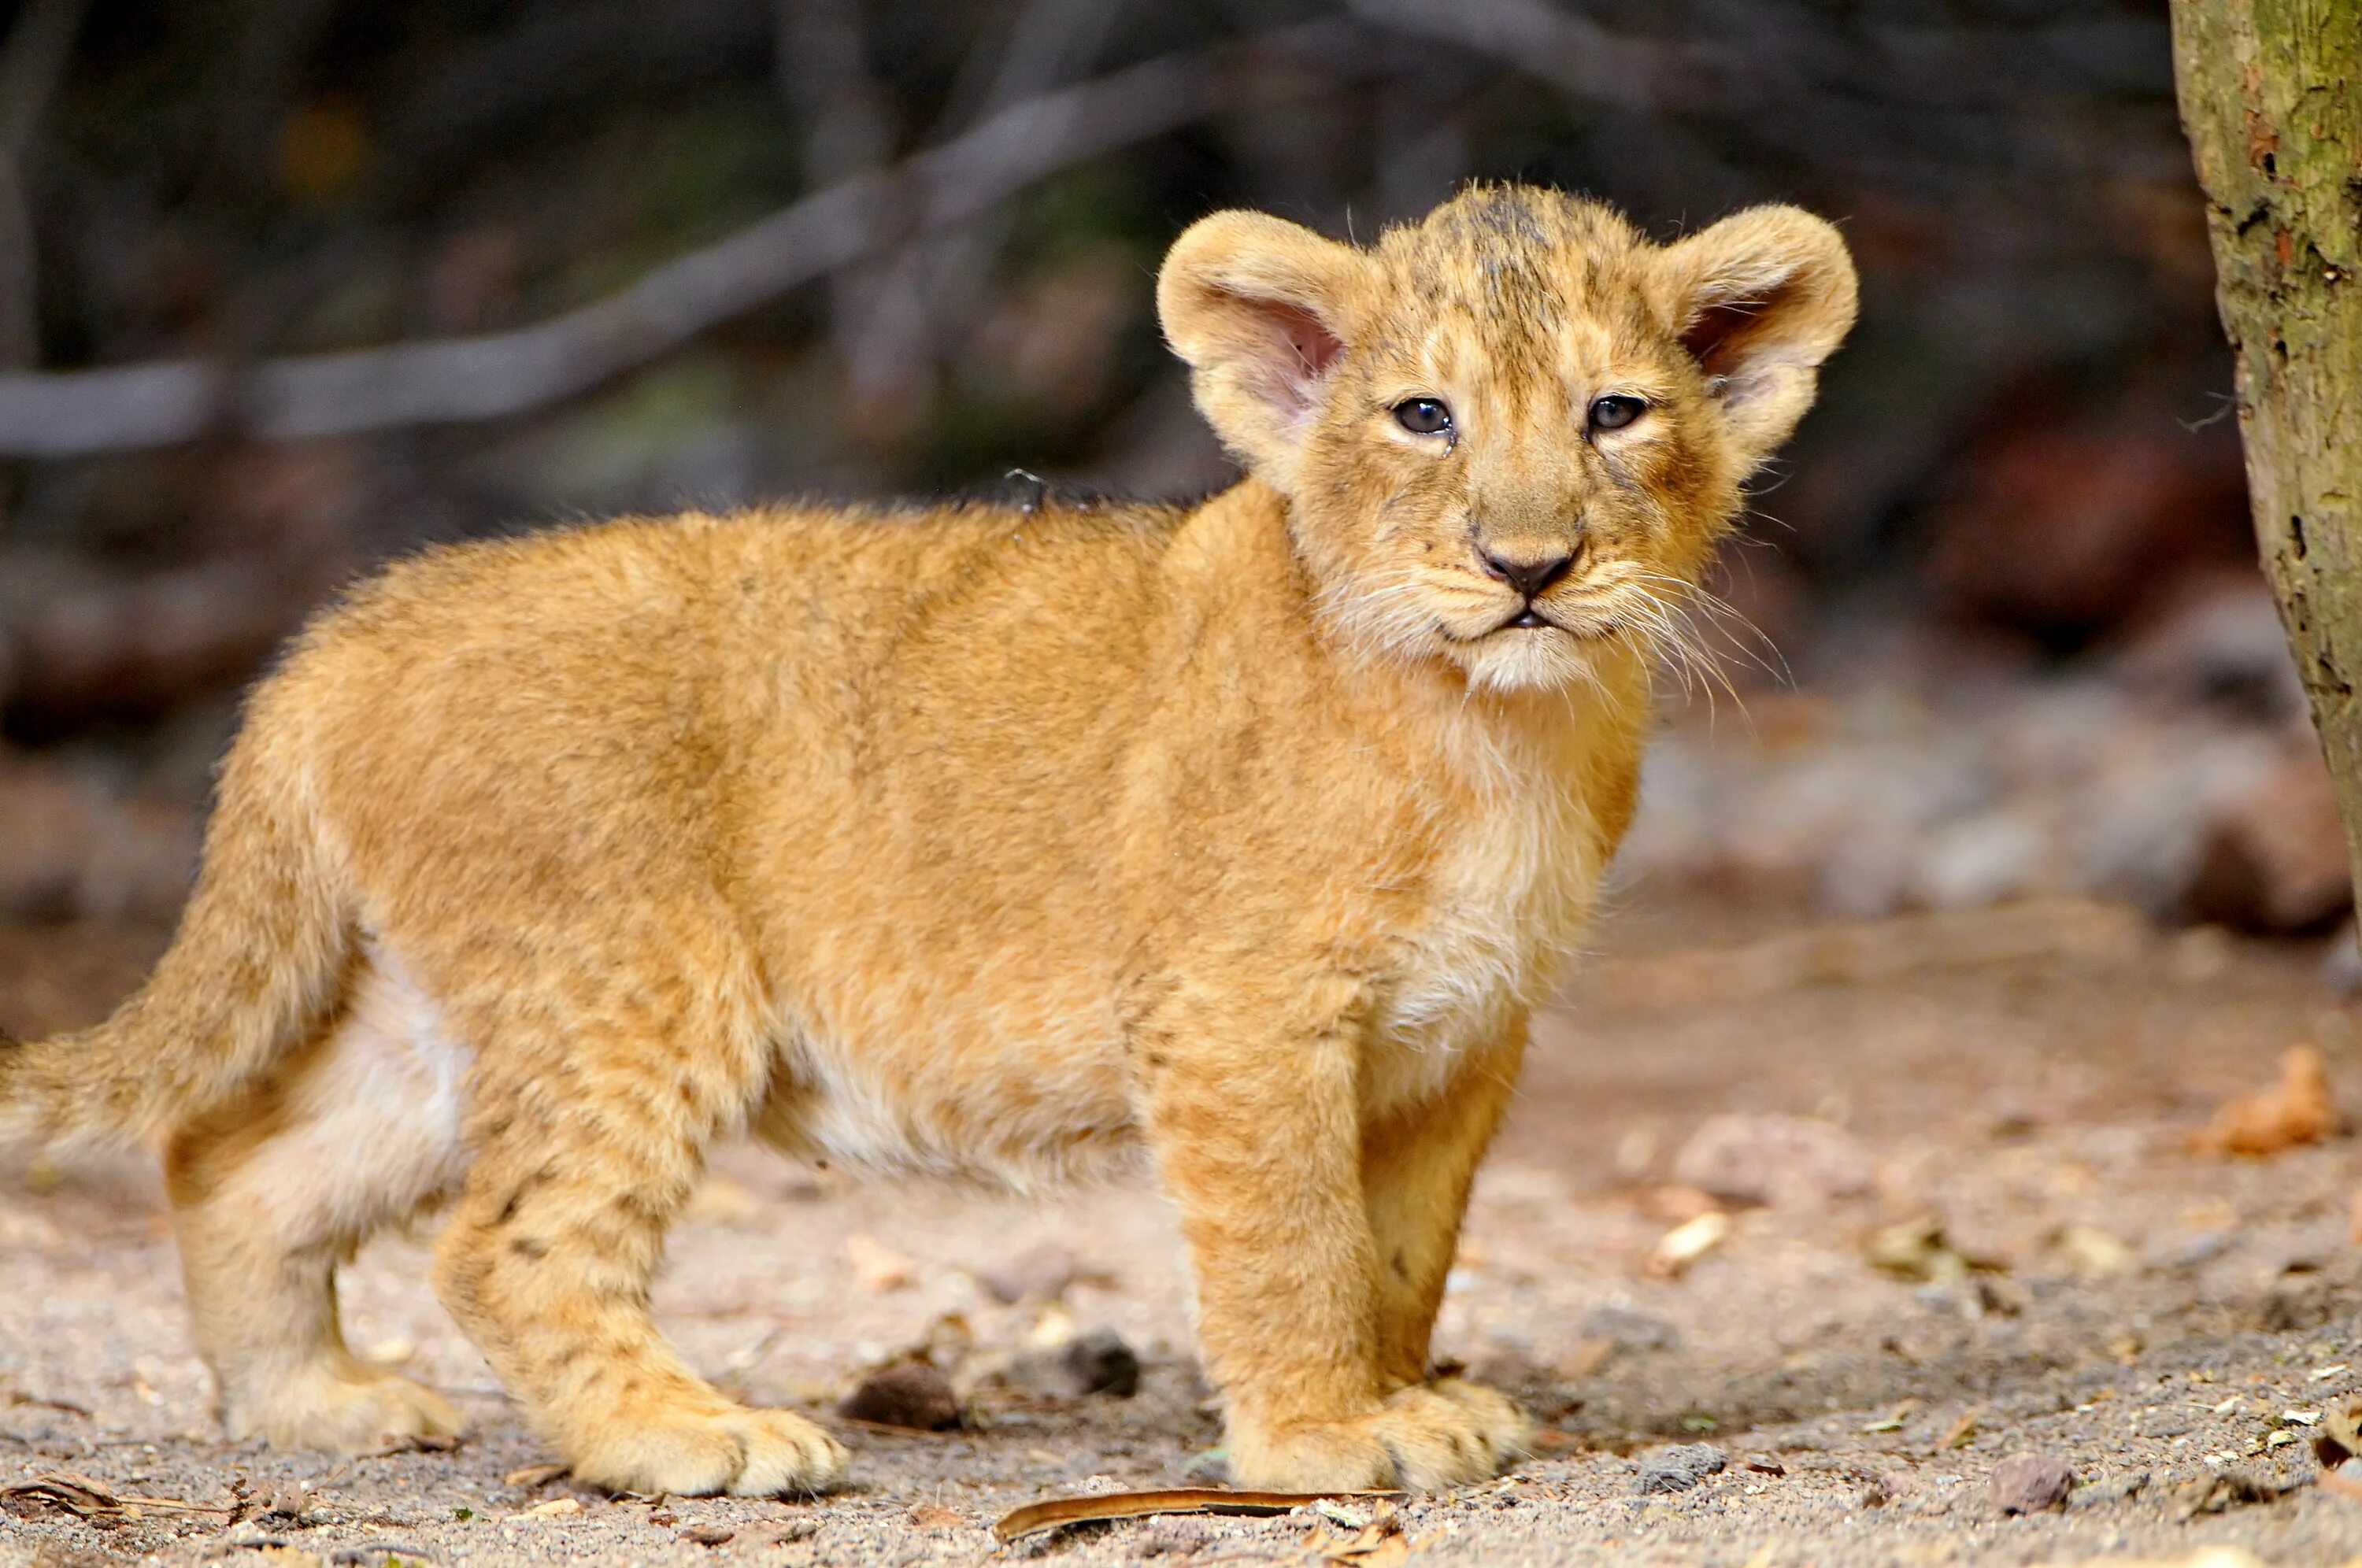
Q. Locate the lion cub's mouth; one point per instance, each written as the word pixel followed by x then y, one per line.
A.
pixel 1531 619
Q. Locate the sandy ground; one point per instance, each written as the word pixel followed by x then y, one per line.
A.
pixel 2154 1317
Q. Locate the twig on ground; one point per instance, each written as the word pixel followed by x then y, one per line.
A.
pixel 71 1491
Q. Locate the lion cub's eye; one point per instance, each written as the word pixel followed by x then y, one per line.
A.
pixel 1615 411
pixel 1423 417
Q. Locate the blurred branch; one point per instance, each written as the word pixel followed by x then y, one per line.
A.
pixel 33 61
pixel 20 325
pixel 1570 51
pixel 441 112
pixel 824 76
pixel 932 287
pixel 75 413
pixel 258 81
pixel 1781 54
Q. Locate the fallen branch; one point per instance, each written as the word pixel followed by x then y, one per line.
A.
pixel 78 412
pixel 1057 1512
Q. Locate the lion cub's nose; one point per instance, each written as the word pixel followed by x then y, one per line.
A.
pixel 1532 576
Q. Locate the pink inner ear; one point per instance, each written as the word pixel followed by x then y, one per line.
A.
pixel 1316 347
pixel 1718 338
pixel 1726 334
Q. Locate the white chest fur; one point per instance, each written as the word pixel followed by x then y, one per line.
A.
pixel 1506 903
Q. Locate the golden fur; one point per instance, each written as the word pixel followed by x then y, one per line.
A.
pixel 1232 841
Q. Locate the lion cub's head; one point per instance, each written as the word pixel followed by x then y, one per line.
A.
pixel 1515 427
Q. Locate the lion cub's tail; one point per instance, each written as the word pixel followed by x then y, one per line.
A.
pixel 259 958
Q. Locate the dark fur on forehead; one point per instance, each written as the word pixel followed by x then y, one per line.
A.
pixel 1513 260
pixel 1511 231
pixel 1511 252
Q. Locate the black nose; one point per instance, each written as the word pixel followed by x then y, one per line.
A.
pixel 1530 577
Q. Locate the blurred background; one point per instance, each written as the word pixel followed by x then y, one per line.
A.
pixel 291 286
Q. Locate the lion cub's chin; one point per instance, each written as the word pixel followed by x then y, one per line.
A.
pixel 1536 659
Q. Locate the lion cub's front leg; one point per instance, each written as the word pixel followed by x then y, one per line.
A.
pixel 1418 1166
pixel 1259 1144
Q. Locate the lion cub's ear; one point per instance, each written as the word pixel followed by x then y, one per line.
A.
pixel 1261 309
pixel 1761 299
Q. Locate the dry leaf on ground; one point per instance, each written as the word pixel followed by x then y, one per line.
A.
pixel 2340 1437
pixel 1055 1513
pixel 721 1201
pixel 2295 1110
pixel 1685 1243
pixel 1917 1250
pixel 875 1265
pixel 1380 1544
pixel 2094 1253
pixel 532 1476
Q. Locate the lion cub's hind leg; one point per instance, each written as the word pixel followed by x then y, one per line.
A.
pixel 270 1192
pixel 601 1085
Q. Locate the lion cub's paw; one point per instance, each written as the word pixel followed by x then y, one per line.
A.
pixel 1445 1434
pixel 1502 1426
pixel 345 1412
pixel 747 1454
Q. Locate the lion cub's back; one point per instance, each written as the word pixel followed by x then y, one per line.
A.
pixel 592 694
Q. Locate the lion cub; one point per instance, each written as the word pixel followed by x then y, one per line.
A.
pixel 1231 841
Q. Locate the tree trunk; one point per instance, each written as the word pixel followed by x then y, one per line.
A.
pixel 2271 95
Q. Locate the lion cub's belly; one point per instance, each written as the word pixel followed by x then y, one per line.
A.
pixel 1036 1107
pixel 388 1088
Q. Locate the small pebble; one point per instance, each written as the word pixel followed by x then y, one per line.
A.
pixel 1171 1538
pixel 1040 1273
pixel 2219 1491
pixel 2030 1484
pixel 1635 1330
pixel 1679 1468
pixel 910 1393
pixel 1209 1467
pixel 764 1538
pixel 1095 1363
pixel 2115 1489
pixel 1789 1162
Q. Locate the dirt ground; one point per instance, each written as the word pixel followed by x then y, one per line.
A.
pixel 2168 1324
